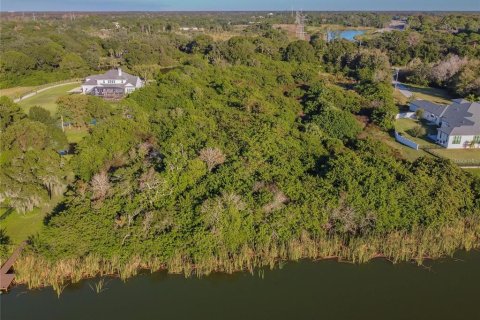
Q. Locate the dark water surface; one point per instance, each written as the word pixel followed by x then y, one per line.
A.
pixel 446 289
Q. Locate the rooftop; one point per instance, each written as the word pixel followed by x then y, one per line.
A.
pixel 462 118
pixel 113 74
pixel 436 109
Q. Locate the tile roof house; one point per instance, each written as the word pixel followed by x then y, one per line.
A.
pixel 459 123
pixel 113 84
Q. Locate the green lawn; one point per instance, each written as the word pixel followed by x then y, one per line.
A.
pixel 404 126
pixel 46 99
pixel 19 226
pixel 431 94
pixel 459 154
pixel 76 135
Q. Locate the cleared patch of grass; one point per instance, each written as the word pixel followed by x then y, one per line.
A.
pixel 47 99
pixel 19 226
pixel 15 92
pixel 331 27
pixel 459 154
pixel 430 94
pixel 76 135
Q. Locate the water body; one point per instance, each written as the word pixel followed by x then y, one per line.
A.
pixel 445 289
pixel 344 34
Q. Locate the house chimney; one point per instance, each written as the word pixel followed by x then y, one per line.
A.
pixel 119 72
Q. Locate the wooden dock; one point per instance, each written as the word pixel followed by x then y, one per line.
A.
pixel 6 278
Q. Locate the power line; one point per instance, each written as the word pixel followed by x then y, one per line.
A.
pixel 300 25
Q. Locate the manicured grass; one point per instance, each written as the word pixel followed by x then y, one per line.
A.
pixel 15 92
pixel 404 125
pixel 459 154
pixel 431 94
pixel 19 226
pixel 47 99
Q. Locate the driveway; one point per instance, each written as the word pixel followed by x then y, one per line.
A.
pixel 403 89
pixel 31 94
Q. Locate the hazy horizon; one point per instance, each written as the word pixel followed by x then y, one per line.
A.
pixel 247 5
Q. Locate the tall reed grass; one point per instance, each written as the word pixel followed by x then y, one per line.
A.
pixel 36 271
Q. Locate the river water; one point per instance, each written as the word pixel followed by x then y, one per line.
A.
pixel 444 289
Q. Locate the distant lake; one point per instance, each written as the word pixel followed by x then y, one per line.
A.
pixel 344 34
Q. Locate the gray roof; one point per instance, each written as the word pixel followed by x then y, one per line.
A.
pixel 113 74
pixel 462 118
pixel 460 101
pixel 436 109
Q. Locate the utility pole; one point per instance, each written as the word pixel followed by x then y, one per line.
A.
pixel 300 25
pixel 396 77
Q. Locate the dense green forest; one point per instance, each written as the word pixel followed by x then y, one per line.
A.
pixel 248 151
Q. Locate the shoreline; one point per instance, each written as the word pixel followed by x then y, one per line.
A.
pixel 145 270
pixel 35 271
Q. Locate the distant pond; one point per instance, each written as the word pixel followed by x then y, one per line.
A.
pixel 344 34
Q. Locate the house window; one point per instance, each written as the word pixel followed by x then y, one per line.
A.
pixel 476 139
pixel 457 139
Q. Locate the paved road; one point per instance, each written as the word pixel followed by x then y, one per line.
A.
pixel 403 89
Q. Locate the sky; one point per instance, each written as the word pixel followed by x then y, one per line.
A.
pixel 247 5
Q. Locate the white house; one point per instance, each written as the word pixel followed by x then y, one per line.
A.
pixel 459 123
pixel 112 84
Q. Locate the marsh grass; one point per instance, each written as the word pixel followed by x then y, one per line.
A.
pixel 98 286
pixel 415 245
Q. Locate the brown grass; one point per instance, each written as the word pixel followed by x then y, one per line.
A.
pixel 417 245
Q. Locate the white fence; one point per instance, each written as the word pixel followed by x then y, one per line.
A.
pixel 406 141
pixel 406 115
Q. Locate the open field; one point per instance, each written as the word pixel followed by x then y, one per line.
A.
pixel 46 99
pixel 326 27
pixel 430 94
pixel 15 92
